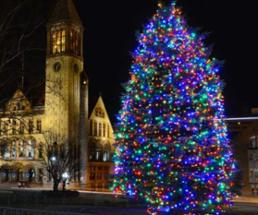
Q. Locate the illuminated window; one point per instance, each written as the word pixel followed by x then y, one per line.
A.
pixel 58 39
pixel 75 44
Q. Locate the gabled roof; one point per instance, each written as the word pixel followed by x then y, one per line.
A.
pixel 18 102
pixel 100 106
pixel 65 11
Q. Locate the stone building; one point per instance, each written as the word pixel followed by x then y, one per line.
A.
pixel 244 137
pixel 100 146
pixel 65 112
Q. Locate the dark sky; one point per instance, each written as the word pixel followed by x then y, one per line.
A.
pixel 111 26
pixel 233 30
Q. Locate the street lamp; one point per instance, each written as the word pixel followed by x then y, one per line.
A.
pixel 65 176
pixel 53 158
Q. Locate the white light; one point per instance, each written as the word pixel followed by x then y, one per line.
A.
pixel 65 175
pixel 53 158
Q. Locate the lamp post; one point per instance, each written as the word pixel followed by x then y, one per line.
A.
pixel 65 176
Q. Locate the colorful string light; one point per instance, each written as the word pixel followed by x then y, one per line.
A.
pixel 172 148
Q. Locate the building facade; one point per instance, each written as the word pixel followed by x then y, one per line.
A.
pixel 244 137
pixel 64 113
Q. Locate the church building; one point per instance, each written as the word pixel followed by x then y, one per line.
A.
pixel 65 113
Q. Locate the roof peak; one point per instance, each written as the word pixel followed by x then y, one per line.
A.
pixel 65 11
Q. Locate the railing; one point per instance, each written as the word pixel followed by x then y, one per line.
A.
pixel 21 211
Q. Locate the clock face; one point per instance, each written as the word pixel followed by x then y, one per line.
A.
pixel 57 66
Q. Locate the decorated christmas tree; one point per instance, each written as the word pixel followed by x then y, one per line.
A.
pixel 172 147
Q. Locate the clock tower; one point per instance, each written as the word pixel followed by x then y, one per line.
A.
pixel 64 99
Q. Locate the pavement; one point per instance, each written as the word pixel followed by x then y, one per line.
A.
pixel 244 205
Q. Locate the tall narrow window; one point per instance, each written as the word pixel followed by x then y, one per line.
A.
pixel 95 129
pixel 104 130
pixel 58 40
pixel 75 42
pixel 21 128
pixel 40 151
pixel 30 126
pixel 39 126
pixel 108 131
pixel 100 130
pixel 14 127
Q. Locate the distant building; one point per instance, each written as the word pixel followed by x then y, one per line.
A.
pixel 101 148
pixel 244 136
pixel 65 112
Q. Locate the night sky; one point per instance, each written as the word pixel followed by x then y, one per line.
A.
pixel 233 31
pixel 110 36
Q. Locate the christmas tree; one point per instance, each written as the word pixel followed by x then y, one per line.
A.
pixel 172 148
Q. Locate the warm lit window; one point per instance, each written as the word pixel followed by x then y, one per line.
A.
pixel 58 38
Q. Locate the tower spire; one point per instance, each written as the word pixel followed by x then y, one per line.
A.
pixel 65 11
